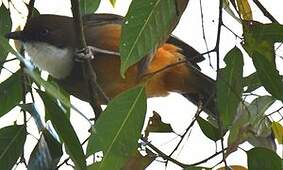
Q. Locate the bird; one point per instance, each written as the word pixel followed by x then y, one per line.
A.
pixel 50 41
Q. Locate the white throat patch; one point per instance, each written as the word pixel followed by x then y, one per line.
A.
pixel 56 61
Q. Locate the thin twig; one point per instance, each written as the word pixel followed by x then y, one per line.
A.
pixel 168 158
pixel 67 159
pixel 203 32
pixel 199 110
pixel 6 61
pixel 265 12
pixel 171 66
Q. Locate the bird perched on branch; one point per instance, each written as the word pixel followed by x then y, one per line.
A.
pixel 50 41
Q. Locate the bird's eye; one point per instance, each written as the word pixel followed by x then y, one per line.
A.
pixel 44 32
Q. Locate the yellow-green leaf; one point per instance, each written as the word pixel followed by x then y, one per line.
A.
pixel 278 131
pixel 245 9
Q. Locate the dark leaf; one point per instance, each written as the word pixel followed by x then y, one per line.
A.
pixel 46 154
pixel 156 125
pixel 138 162
pixel 252 82
pixel 65 131
pixel 229 86
pixel 118 129
pixel 89 6
pixel 12 139
pixel 34 113
pixel 208 129
pixel 5 27
pixel 261 158
pixel 254 30
pixel 259 43
pixel 10 93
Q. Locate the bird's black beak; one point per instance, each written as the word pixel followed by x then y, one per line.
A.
pixel 17 35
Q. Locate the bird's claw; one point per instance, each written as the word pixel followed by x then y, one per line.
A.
pixel 84 54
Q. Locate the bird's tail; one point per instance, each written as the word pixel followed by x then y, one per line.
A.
pixel 203 93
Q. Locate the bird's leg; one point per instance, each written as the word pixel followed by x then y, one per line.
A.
pixel 83 54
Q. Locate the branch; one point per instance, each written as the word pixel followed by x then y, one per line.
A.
pixel 88 71
pixel 166 157
pixel 199 110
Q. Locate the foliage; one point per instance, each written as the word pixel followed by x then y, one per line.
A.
pixel 118 132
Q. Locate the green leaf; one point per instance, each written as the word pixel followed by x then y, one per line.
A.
pixel 271 32
pixel 261 158
pixel 5 27
pixel 251 124
pixel 278 131
pixel 208 129
pixel 34 113
pixel 113 2
pixel 258 107
pixel 259 43
pixel 118 129
pixel 46 154
pixel 156 125
pixel 51 87
pixel 89 6
pixel 65 131
pixel 146 25
pixel 252 82
pixel 227 8
pixel 12 139
pixel 229 86
pixel 10 93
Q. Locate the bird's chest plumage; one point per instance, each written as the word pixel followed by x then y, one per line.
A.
pixel 56 61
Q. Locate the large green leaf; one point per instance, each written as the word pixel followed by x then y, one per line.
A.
pixel 5 27
pixel 89 6
pixel 12 139
pixel 229 86
pixel 259 43
pixel 118 129
pixel 146 25
pixel 10 93
pixel 262 159
pixel 208 129
pixel 65 131
pixel 46 154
